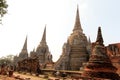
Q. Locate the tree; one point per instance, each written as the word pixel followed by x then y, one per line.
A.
pixel 3 9
pixel 8 60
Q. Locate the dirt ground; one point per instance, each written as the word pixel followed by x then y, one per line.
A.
pixel 22 76
pixel 26 77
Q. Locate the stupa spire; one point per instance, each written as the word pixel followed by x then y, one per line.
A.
pixel 99 39
pixel 77 26
pixel 25 45
pixel 43 40
pixel 44 36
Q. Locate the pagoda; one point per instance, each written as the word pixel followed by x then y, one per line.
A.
pixel 42 52
pixel 23 54
pixel 75 49
pixel 99 64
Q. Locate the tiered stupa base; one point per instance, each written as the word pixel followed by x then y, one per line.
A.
pixel 99 64
pixel 101 70
pixel 103 75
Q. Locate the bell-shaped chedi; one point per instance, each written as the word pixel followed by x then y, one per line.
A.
pixel 42 51
pixel 78 46
pixel 99 64
pixel 75 49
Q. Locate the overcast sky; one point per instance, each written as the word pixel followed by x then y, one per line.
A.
pixel 29 17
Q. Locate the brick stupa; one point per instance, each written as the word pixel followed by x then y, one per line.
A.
pixel 99 64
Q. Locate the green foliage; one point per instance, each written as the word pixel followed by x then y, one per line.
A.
pixel 3 8
pixel 8 60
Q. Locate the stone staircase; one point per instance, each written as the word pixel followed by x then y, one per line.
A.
pixel 59 61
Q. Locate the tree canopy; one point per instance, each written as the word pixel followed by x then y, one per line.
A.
pixel 3 9
pixel 8 60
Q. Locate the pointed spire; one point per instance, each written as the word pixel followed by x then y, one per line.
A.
pixel 77 25
pixel 44 36
pixel 25 44
pixel 99 39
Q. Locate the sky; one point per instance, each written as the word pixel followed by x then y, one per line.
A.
pixel 29 17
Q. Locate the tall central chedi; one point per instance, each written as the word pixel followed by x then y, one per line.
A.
pixel 74 52
pixel 99 64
